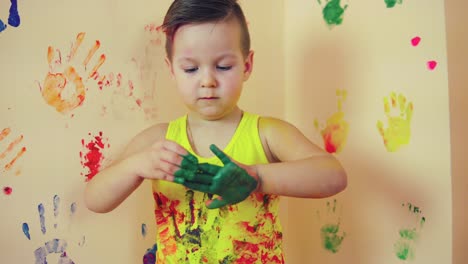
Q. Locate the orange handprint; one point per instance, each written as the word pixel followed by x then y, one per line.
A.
pixel 335 133
pixel 57 91
pixel 11 157
pixel 398 132
pixel 5 132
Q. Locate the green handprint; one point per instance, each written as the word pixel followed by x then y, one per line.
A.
pixel 392 3
pixel 333 12
pixel 232 183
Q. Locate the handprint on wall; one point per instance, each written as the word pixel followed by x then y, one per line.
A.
pixel 392 3
pixel 330 233
pixel 335 131
pixel 147 67
pixel 10 152
pixel 398 130
pixel 404 247
pixel 333 12
pixel 53 247
pixel 14 19
pixel 150 255
pixel 92 154
pixel 64 86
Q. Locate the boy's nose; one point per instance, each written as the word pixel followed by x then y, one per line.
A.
pixel 208 80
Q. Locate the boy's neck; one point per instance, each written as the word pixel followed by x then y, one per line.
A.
pixel 233 117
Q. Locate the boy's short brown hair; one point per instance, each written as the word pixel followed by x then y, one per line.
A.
pixel 182 12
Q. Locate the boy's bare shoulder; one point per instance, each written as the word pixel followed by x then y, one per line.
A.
pixel 271 124
pixel 285 141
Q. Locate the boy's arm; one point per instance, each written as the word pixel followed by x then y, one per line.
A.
pixel 112 185
pixel 303 169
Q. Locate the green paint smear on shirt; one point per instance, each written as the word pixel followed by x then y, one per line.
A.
pixel 330 238
pixel 392 3
pixel 333 12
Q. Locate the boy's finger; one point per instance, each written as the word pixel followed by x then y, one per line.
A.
pixel 220 154
pixel 189 161
pixel 172 146
pixel 179 180
pixel 185 174
pixel 215 203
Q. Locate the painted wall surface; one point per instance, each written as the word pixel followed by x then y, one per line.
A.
pixel 49 146
pixel 457 41
pixel 367 81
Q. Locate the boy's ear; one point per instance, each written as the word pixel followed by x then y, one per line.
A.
pixel 169 66
pixel 248 65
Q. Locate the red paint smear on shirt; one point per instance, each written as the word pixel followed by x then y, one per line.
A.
pixel 162 217
pixel 7 190
pixel 93 157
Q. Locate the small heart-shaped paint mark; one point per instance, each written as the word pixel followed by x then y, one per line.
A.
pixel 415 41
pixel 7 190
pixel 431 64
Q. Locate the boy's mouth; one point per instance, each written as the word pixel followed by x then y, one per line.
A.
pixel 209 98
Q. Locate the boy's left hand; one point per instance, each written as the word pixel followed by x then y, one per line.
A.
pixel 233 183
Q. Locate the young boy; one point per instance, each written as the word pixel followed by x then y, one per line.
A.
pixel 220 208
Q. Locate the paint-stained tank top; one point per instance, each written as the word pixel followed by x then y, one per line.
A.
pixel 188 232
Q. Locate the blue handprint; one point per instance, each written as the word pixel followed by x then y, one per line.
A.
pixel 14 18
pixel 55 245
pixel 150 255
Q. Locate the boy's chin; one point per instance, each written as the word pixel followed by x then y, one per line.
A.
pixel 212 114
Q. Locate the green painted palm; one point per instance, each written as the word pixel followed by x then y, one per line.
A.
pixel 230 182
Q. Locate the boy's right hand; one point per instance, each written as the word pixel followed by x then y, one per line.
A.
pixel 162 160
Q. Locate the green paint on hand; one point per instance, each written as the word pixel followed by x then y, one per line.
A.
pixel 392 3
pixel 231 183
pixel 333 12
pixel 330 238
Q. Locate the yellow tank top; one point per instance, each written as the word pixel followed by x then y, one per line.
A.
pixel 188 232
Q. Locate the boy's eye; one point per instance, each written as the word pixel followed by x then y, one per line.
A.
pixel 224 68
pixel 190 70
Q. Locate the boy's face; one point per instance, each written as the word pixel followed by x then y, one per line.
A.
pixel 209 67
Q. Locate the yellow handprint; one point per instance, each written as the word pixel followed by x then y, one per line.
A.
pixel 398 132
pixel 336 130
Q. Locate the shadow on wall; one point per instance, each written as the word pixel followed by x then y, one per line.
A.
pixel 325 69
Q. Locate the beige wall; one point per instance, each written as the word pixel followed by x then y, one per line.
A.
pixel 370 55
pixel 457 43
